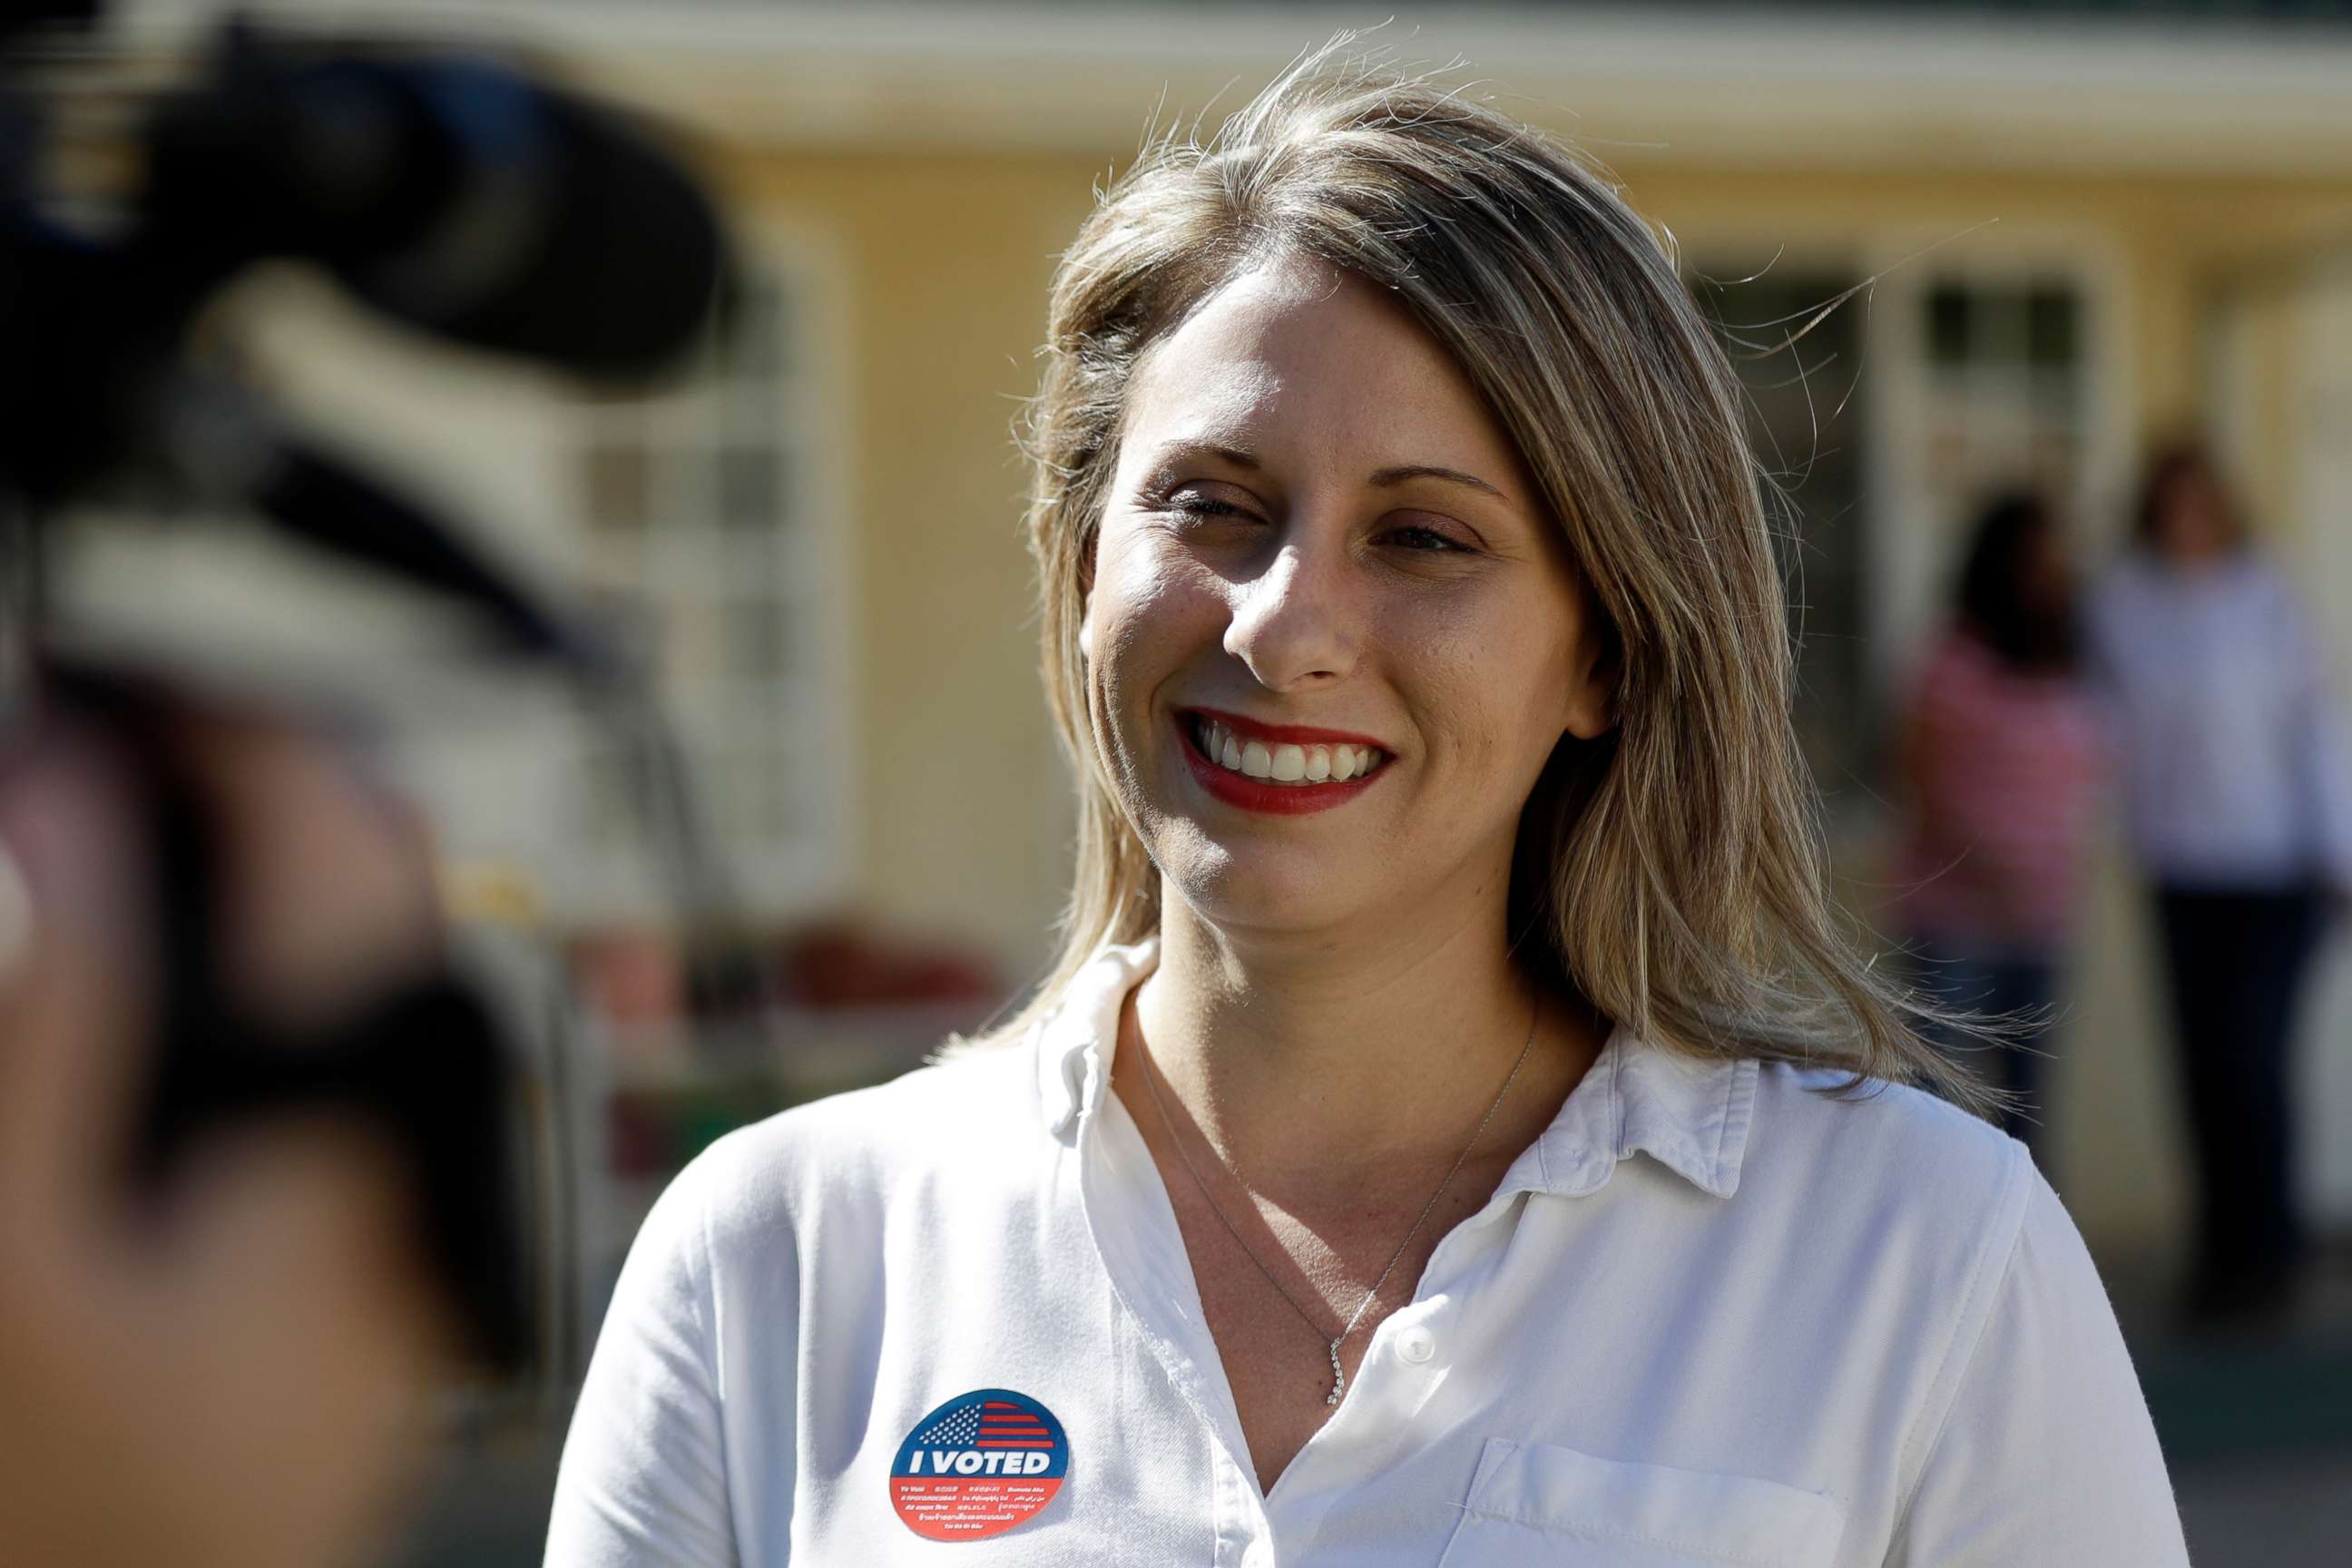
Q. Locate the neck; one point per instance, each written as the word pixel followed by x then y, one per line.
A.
pixel 1305 1059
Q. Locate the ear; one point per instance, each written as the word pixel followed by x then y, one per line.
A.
pixel 1599 670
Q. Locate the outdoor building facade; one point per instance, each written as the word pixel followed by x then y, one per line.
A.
pixel 2050 238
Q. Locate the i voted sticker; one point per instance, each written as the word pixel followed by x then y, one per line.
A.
pixel 978 1466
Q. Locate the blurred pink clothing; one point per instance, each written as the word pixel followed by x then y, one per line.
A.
pixel 2008 767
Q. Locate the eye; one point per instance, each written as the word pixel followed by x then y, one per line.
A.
pixel 1192 503
pixel 1425 541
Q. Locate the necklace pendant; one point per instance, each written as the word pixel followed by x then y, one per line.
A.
pixel 1338 1378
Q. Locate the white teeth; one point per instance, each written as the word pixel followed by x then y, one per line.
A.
pixel 1283 764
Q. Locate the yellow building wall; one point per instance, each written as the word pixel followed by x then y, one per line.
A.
pixel 963 819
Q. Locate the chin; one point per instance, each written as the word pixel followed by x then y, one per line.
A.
pixel 1259 888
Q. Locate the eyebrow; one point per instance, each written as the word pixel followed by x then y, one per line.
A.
pixel 1385 478
pixel 1399 474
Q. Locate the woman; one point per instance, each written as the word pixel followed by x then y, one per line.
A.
pixel 2240 805
pixel 1429 1145
pixel 2002 760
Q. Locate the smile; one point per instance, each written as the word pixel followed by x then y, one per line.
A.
pixel 1283 762
pixel 1277 772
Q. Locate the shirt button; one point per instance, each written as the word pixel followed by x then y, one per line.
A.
pixel 1417 1345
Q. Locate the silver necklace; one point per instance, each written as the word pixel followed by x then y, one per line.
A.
pixel 1339 1377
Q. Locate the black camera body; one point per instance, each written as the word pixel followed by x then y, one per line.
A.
pixel 462 197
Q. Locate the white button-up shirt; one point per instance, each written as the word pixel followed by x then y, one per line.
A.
pixel 1710 1316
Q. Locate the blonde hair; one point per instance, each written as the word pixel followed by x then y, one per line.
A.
pixel 1671 872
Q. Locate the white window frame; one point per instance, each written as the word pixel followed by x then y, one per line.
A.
pixel 1908 554
pixel 1909 566
pixel 603 879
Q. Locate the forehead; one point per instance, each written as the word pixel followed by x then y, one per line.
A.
pixel 1298 350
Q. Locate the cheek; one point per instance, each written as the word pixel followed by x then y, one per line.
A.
pixel 1147 618
pixel 1495 702
pixel 1150 610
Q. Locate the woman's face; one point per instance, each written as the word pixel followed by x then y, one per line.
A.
pixel 2192 524
pixel 2045 575
pixel 1322 564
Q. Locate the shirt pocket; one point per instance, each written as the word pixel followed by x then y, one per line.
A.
pixel 1531 1504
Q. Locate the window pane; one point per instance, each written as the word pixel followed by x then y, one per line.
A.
pixel 1948 325
pixel 1998 326
pixel 688 500
pixel 750 485
pixel 2050 327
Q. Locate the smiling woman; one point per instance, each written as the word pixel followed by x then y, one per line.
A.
pixel 1455 1129
pixel 1312 516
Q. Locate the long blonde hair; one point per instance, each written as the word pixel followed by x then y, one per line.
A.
pixel 1671 872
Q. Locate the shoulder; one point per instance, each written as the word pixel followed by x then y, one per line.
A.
pixel 1932 1219
pixel 1887 1158
pixel 1897 1123
pixel 1911 1257
pixel 1913 1183
pixel 2022 1423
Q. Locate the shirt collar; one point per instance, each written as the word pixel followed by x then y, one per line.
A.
pixel 1691 1114
pixel 1072 1059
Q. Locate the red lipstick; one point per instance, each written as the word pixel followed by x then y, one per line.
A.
pixel 1288 734
pixel 1257 795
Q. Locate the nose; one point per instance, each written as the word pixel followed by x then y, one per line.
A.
pixel 1296 624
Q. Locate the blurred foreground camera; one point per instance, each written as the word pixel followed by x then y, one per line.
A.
pixel 462 197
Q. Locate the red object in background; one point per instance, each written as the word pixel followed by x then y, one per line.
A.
pixel 630 978
pixel 635 1144
pixel 843 965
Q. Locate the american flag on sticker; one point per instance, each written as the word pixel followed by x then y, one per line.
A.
pixel 988 1423
pixel 978 1466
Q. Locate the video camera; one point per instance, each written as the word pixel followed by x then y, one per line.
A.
pixel 454 193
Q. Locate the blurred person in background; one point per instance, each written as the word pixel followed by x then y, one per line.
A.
pixel 1444 1131
pixel 232 1372
pixel 2238 795
pixel 2002 762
